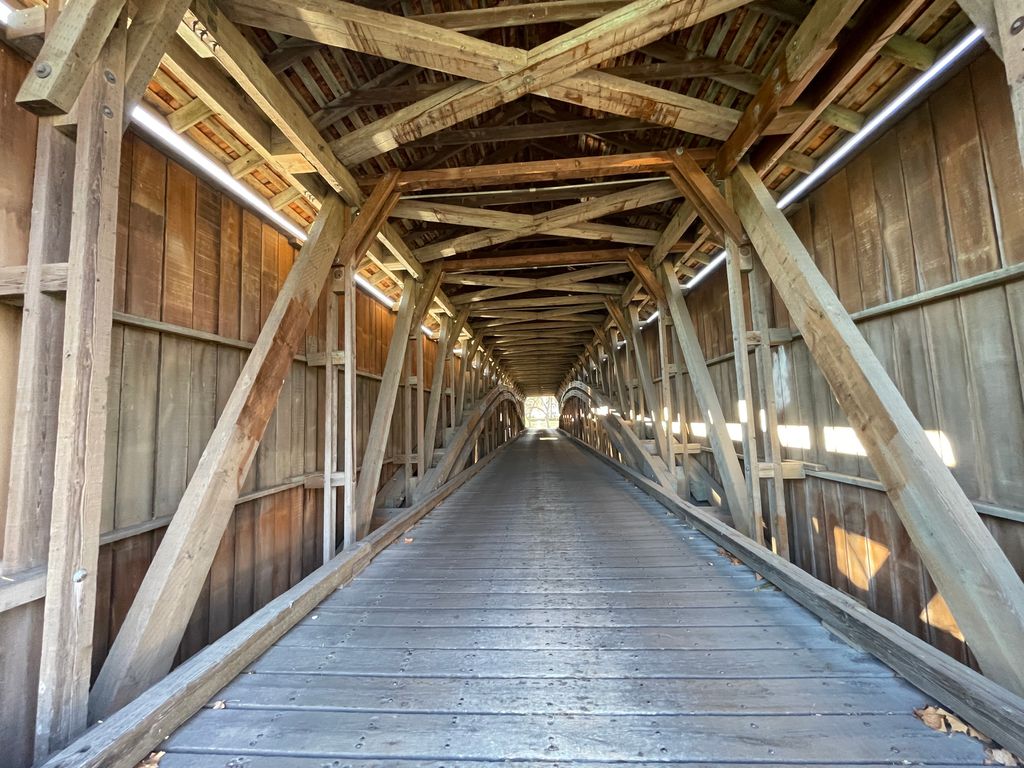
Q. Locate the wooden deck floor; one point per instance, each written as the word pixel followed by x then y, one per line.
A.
pixel 551 614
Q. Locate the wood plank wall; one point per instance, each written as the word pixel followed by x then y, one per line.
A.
pixel 196 277
pixel 191 257
pixel 936 200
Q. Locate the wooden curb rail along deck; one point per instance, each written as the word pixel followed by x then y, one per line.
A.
pixel 552 614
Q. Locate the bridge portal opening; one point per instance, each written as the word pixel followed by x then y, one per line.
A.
pixel 541 412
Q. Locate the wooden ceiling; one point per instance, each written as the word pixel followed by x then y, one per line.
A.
pixel 424 86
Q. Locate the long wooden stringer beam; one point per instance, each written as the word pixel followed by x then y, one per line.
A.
pixel 144 649
pixel 984 592
pixel 733 480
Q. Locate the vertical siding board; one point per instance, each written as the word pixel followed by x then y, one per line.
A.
pixel 113 422
pixel 893 216
pixel 137 428
pixel 1002 154
pixel 143 282
pixel 954 391
pixel 206 284
pixel 179 247
pixel 968 204
pixel 175 384
pixel 243 591
pixel 924 198
pixel 995 379
pixel 222 576
pixel 124 208
pixel 866 232
pixel 836 194
pixel 230 269
pixel 252 259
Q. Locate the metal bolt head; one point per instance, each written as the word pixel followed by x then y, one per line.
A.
pixel 43 69
pixel 1017 26
pixel 107 111
pixel 109 76
pixel 79 576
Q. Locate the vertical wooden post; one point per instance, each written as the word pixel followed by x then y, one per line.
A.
pixel 711 408
pixel 978 582
pixel 649 391
pixel 744 391
pixel 1007 21
pixel 71 575
pixel 620 378
pixel 380 426
pixel 421 453
pixel 26 530
pixel 757 280
pixel 416 299
pixel 450 330
pixel 670 376
pixel 665 394
pixel 330 508
pixel 465 375
pixel 408 416
pixel 349 524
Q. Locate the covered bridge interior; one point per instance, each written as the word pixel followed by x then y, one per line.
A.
pixel 277 279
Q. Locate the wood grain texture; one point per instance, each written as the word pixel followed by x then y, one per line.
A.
pixel 891 436
pixel 147 647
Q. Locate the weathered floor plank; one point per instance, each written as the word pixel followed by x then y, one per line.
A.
pixel 551 614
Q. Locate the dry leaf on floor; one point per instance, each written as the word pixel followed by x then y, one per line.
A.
pixel 731 557
pixel 152 761
pixel 997 756
pixel 945 721
pixel 933 717
pixel 408 540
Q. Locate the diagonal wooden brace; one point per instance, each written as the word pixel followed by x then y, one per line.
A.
pixel 144 649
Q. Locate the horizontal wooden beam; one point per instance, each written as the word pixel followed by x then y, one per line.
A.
pixel 67 56
pixel 443 213
pixel 627 199
pixel 54 279
pixel 554 259
pixel 531 131
pixel 544 170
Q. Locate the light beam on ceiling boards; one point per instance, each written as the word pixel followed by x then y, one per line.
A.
pixel 879 119
pixel 157 128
